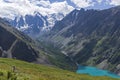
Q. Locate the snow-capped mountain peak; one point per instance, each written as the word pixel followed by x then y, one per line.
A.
pixel 22 14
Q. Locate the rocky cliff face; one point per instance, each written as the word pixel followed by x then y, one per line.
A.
pixel 14 44
pixel 90 37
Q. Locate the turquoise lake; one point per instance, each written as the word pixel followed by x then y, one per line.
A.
pixel 95 72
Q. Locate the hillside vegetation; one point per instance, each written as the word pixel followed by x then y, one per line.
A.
pixel 29 71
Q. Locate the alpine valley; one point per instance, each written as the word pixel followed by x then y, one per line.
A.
pixel 89 37
pixel 45 62
pixel 51 40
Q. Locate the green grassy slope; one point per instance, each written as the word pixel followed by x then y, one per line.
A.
pixel 28 71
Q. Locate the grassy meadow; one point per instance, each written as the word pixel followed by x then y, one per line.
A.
pixel 30 71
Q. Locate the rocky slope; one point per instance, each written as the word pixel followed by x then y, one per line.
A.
pixel 90 37
pixel 15 44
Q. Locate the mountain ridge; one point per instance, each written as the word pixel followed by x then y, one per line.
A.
pixel 90 37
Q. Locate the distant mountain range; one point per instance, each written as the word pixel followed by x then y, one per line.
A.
pixel 34 16
pixel 33 24
pixel 90 37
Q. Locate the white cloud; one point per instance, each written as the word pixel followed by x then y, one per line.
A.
pixel 42 3
pixel 12 8
pixel 115 2
pixel 99 1
pixel 104 2
pixel 61 7
pixel 83 3
pixel 110 2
